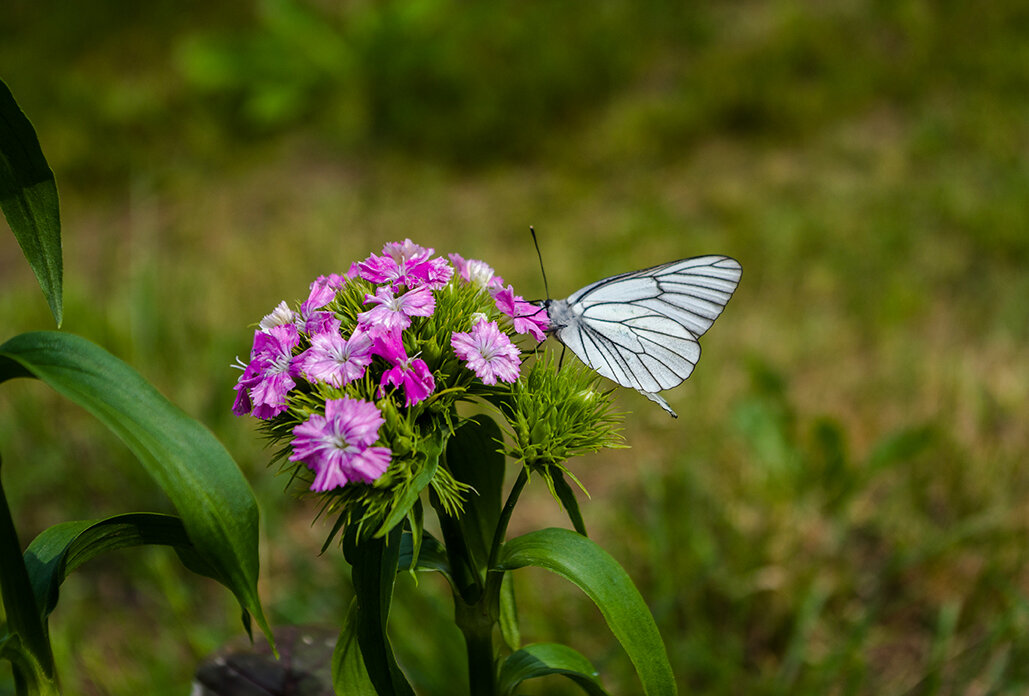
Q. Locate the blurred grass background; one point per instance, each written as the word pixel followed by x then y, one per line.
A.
pixel 842 506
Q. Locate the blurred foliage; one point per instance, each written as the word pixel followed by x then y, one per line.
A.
pixel 840 508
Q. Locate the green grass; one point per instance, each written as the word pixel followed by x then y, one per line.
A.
pixel 841 506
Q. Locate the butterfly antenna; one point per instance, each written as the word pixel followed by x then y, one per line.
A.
pixel 536 244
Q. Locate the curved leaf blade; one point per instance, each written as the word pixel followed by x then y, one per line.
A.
pixel 58 551
pixel 544 659
pixel 28 197
pixel 349 675
pixel 191 466
pixel 374 563
pixel 584 563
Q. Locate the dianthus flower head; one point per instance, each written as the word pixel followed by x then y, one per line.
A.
pixel 338 446
pixel 488 352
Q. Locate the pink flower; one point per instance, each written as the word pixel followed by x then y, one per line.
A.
pixel 338 446
pixel 395 311
pixel 476 272
pixel 414 376
pixel 488 352
pixel 266 380
pixel 335 360
pixel 410 373
pixel 526 317
pixel 279 316
pixel 323 291
pixel 405 264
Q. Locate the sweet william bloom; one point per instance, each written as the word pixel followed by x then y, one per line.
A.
pixel 410 373
pixel 526 317
pixel 406 264
pixel 263 386
pixel 488 352
pixel 334 359
pixel 476 272
pixel 395 311
pixel 279 316
pixel 338 446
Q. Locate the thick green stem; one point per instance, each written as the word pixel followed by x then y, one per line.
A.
pixel 476 623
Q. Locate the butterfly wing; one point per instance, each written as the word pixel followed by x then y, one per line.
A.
pixel 640 329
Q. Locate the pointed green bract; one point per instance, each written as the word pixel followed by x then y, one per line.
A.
pixel 595 572
pixel 214 501
pixel 28 198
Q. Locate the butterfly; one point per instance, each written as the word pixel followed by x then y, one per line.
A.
pixel 641 328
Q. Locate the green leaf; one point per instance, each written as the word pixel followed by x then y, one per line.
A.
pixel 28 197
pixel 595 572
pixel 543 659
pixel 473 457
pixel 374 564
pixel 204 484
pixel 28 648
pixel 431 556
pixel 349 675
pixel 59 550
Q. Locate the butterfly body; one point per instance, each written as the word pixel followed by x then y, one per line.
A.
pixel 641 328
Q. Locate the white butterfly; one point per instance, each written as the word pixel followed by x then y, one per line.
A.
pixel 640 328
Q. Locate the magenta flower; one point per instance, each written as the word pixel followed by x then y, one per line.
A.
pixel 395 311
pixel 414 376
pixel 488 352
pixel 338 446
pixel 410 373
pixel 323 291
pixel 263 386
pixel 334 359
pixel 526 317
pixel 405 264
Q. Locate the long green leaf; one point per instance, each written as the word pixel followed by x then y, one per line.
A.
pixel 349 675
pixel 374 564
pixel 28 197
pixel 27 646
pixel 544 659
pixel 204 484
pixel 473 458
pixel 59 550
pixel 596 573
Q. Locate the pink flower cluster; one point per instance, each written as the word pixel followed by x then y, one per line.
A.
pixel 309 344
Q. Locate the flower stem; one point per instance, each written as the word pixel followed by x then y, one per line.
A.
pixel 476 623
pixel 505 517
